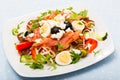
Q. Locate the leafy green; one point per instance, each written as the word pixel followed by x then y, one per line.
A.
pixel 74 16
pixel 49 11
pixel 15 30
pixel 83 13
pixel 35 65
pixel 43 59
pixel 60 46
pixel 54 66
pixel 47 58
pixel 70 8
pixel 34 26
pixel 39 18
pixel 26 59
pixel 75 57
pixel 96 52
pixel 44 13
pixel 58 11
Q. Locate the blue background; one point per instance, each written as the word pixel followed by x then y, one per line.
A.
pixel 108 10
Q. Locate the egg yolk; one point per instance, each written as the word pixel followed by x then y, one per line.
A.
pixel 64 58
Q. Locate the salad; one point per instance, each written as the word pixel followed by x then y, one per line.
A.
pixel 57 37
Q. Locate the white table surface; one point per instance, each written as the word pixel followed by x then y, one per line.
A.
pixel 108 10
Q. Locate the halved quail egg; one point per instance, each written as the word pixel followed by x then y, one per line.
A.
pixel 45 30
pixel 63 58
pixel 78 25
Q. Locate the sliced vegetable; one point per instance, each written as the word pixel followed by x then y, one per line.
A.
pixel 102 36
pixel 26 59
pixel 33 51
pixel 83 53
pixel 23 45
pixel 92 44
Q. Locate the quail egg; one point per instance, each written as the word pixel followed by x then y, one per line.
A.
pixel 78 25
pixel 63 58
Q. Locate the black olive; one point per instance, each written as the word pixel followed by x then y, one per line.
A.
pixel 68 25
pixel 26 33
pixel 55 30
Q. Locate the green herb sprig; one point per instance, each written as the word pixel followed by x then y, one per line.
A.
pixel 60 46
pixel 96 52
pixel 15 30
pixel 75 57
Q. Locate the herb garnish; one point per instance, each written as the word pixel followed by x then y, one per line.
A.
pixel 60 46
pixel 70 8
pixel 34 26
pixel 96 52
pixel 81 14
pixel 38 63
pixel 75 57
pixel 15 30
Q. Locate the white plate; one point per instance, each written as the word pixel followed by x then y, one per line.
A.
pixel 13 57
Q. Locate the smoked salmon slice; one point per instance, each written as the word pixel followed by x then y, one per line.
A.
pixel 67 38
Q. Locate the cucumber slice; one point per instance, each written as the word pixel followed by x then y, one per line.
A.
pixel 101 36
pixel 89 34
pixel 26 59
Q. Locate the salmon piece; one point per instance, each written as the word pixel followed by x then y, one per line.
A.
pixel 67 38
pixel 36 35
pixel 46 42
pixel 51 16
pixel 50 42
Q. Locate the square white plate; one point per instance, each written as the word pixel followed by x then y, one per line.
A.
pixel 13 57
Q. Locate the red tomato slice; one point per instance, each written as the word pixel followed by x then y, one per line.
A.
pixel 93 43
pixel 23 45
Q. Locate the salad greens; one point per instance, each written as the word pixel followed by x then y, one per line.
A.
pixel 60 46
pixel 34 26
pixel 75 57
pixel 15 30
pixel 96 52
pixel 38 63
pixel 81 14
pixel 70 8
